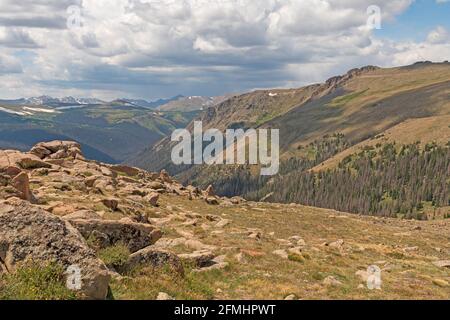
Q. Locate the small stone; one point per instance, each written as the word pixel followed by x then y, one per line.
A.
pixel 440 283
pixel 212 201
pixel 336 244
pixel 331 282
pixel 223 223
pixel 442 263
pixel 164 296
pixel 281 253
pixel 255 235
pixel 291 297
pixel 410 249
pixel 210 191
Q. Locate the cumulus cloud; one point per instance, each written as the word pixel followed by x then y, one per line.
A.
pixel 154 48
pixel 9 65
pixel 439 35
pixel 16 38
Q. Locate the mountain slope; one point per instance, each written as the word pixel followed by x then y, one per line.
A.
pixel 192 103
pixel 355 107
pixel 360 104
pixel 423 130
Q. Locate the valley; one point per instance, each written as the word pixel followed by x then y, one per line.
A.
pixel 110 132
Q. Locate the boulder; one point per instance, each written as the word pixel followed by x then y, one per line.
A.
pixel 199 259
pixel 442 263
pixel 13 160
pixel 194 191
pixel 152 198
pixel 75 153
pixel 155 185
pixel 212 201
pixel 218 263
pixel 110 203
pixel 13 171
pixel 130 171
pixel 237 200
pixel 22 184
pixel 209 192
pixel 57 145
pixel 57 150
pixel 222 223
pixel 28 233
pixel 150 257
pixel 135 236
pixel 164 176
pixel 40 152
pixel 60 154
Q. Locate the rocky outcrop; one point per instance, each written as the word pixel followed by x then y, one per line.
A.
pixel 28 233
pixel 11 160
pixel 83 207
pixel 57 150
pixel 13 174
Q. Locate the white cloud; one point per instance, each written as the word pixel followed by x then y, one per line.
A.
pixel 9 65
pixel 439 35
pixel 16 38
pixel 152 48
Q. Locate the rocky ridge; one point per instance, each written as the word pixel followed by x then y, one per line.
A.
pixel 53 202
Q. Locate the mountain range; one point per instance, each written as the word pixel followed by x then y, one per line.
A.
pixel 175 103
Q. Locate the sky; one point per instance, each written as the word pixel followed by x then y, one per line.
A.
pixel 161 48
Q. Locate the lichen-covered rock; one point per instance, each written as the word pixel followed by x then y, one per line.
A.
pixel 28 233
pixel 151 257
pixel 135 236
